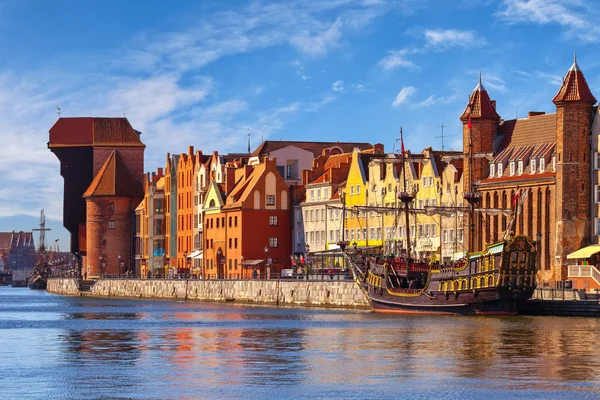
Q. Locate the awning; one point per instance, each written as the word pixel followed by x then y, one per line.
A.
pixel 586 252
pixel 198 256
pixel 252 262
pixel 194 253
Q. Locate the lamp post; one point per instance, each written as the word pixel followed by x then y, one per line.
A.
pixel 102 266
pixel 307 264
pixel 266 261
pixel 219 264
pixel 538 247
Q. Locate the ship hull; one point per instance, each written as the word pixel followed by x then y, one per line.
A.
pixel 492 301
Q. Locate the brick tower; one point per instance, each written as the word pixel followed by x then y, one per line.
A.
pixel 574 102
pixel 478 139
pixel 83 146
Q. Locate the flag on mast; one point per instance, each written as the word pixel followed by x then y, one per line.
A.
pixel 402 142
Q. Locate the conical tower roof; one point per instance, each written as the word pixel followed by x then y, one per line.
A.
pixel 114 179
pixel 480 106
pixel 574 87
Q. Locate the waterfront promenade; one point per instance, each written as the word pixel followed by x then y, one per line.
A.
pixel 313 292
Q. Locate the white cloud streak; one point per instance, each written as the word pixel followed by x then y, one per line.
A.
pixel 396 59
pixel 452 38
pixel 403 95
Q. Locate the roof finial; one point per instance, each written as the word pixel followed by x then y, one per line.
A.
pixel 575 67
pixel 479 77
pixel 479 86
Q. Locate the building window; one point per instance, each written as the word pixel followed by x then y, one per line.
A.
pixel 520 168
pixel 351 190
pixel 318 194
pixel 378 233
pixel 445 235
pixel 499 170
pixel 322 236
pixel 235 243
pixel 112 206
pixel 270 199
pixel 235 221
pixel 364 235
pixel 312 194
pixel 597 191
pixel 273 242
pixel 597 158
pixel 372 233
pixel 542 165
pixel 533 165
pixel 298 237
pixel 512 168
pixel 230 264
pixel 331 235
pixel 235 264
pixel 312 215
pixel 312 237
pixel 230 241
pixel 325 193
pixel 288 171
pixel 306 215
pixel 111 224
pixel 460 235
pixel 273 220
pixel 357 189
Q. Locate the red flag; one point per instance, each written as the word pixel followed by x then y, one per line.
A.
pixel 515 199
pixel 469 124
pixel 403 151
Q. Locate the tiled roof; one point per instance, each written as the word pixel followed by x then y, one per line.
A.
pixel 528 131
pixel 92 131
pixel 574 87
pixel 114 179
pixel 315 147
pixel 5 239
pixel 480 105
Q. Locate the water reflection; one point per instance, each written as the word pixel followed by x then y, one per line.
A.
pixel 138 349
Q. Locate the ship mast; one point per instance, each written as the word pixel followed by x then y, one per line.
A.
pixel 406 198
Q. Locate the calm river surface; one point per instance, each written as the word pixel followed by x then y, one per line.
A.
pixel 79 348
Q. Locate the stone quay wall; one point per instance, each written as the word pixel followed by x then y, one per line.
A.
pixel 65 286
pixel 277 292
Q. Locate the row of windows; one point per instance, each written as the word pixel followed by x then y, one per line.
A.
pixel 448 235
pixel 316 194
pixel 497 170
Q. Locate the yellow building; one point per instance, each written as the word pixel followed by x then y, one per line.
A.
pixel 361 224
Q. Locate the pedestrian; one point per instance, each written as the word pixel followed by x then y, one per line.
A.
pixel 330 272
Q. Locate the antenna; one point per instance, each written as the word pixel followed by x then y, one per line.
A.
pixel 442 135
pixel 248 140
pixel 58 108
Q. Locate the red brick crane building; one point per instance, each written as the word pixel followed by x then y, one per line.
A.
pixel 108 152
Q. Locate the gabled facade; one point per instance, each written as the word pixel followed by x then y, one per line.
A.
pixel 151 227
pixel 170 190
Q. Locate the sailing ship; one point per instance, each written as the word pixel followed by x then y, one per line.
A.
pixel 493 280
pixel 39 276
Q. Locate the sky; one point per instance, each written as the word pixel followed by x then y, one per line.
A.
pixel 207 73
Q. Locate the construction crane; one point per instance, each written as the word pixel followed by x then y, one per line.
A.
pixel 42 230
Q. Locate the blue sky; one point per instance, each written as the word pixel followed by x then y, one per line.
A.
pixel 207 73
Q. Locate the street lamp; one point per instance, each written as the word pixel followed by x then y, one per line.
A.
pixel 266 261
pixel 538 247
pixel 218 263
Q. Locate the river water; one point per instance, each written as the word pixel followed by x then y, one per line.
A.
pixel 85 348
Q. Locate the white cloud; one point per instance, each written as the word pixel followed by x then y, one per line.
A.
pixel 358 87
pixel 338 86
pixel 318 43
pixel 396 59
pixel 552 79
pixel 403 95
pixel 452 38
pixel 577 17
pixel 494 82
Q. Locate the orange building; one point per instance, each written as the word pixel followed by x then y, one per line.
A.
pixel 247 223
pixel 185 207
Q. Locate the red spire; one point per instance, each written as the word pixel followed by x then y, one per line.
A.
pixel 480 106
pixel 574 87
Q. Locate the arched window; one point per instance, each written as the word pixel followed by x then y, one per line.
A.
pixel 212 203
pixel 112 206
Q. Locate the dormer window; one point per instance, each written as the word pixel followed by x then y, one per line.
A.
pixel 520 168
pixel 542 165
pixel 499 170
pixel 553 163
pixel 512 168
pixel 532 165
pixel 492 169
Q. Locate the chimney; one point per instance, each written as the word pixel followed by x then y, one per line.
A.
pixel 190 150
pixel 534 113
pixel 160 172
